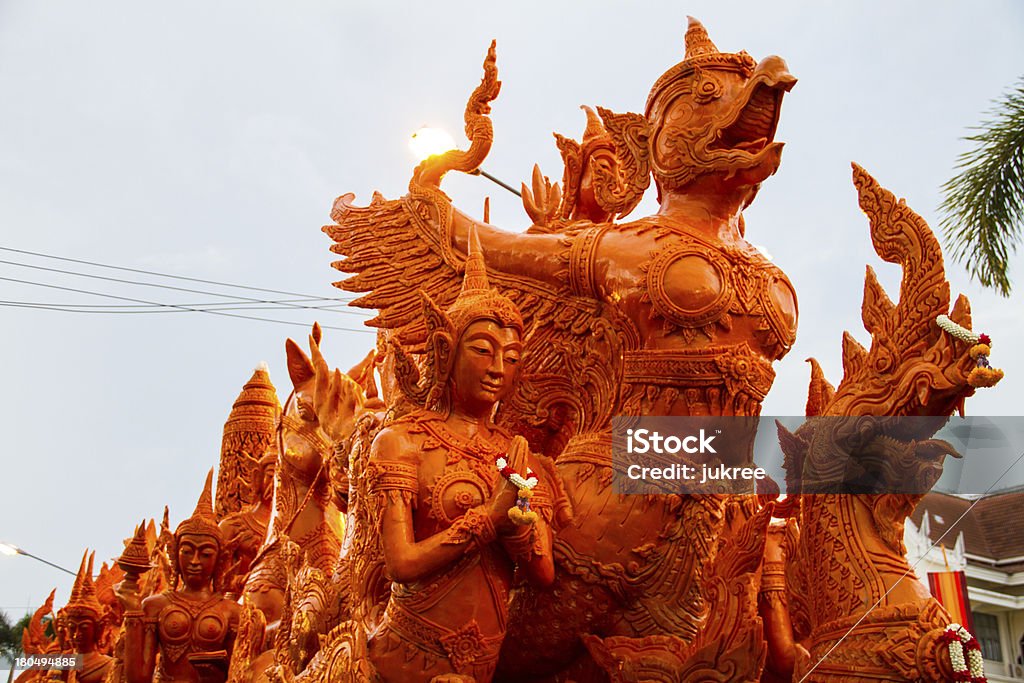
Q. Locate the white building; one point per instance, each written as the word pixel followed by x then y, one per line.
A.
pixel 983 537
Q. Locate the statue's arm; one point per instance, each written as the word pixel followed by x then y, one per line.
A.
pixel 140 644
pixel 531 550
pixel 536 256
pixel 773 605
pixel 396 487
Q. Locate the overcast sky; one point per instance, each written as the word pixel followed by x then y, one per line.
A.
pixel 210 139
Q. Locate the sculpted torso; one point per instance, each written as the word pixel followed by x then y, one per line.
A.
pixel 683 290
pixel 187 624
pixel 468 595
pixel 449 543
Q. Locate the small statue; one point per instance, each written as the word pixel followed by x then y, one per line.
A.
pixel 192 626
pixel 84 627
pixel 305 510
pixel 246 529
pixel 250 429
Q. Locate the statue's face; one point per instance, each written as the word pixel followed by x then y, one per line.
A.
pixel 723 124
pixel 598 185
pixel 81 633
pixel 197 559
pixel 486 361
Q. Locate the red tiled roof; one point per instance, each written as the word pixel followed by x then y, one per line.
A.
pixel 992 528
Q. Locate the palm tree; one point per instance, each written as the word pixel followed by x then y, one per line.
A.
pixel 984 203
pixel 10 638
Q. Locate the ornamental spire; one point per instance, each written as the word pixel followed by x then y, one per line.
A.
pixel 697 41
pixel 595 129
pixel 475 279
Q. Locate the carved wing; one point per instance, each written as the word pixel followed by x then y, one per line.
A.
pixel 571 367
pixel 395 248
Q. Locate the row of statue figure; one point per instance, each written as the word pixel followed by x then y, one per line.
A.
pixel 445 511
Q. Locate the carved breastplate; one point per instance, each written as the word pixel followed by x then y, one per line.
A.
pixel 189 626
pixel 696 287
pixel 469 473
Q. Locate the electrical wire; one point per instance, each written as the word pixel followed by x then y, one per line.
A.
pixel 155 273
pixel 282 302
pixel 181 307
pixel 148 310
pixel 156 308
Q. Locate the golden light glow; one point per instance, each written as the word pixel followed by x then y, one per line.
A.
pixel 427 142
pixel 8 549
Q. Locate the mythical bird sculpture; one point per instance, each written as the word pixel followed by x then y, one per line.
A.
pixel 675 314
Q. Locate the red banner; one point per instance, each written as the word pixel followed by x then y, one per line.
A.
pixel 950 588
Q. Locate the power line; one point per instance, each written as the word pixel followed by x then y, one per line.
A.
pixel 180 307
pixel 283 302
pixel 146 308
pixel 157 274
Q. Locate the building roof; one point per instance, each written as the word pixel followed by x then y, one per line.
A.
pixel 993 525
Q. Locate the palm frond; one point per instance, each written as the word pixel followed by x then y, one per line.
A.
pixel 984 202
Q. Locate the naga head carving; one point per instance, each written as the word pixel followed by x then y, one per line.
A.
pixel 914 366
pixel 715 113
pixel 874 430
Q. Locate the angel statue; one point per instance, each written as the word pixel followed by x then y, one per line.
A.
pixel 673 314
pixel 192 626
pixel 451 488
pixel 454 506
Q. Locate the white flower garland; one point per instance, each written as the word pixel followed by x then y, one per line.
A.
pixel 965 655
pixel 957 330
pixel 520 513
pixel 517 479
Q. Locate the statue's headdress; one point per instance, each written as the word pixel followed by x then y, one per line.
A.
pixel 476 301
pixel 684 77
pixel 595 136
pixel 83 602
pixel 249 430
pixel 202 522
pixel 576 156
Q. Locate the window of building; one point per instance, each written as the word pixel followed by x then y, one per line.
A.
pixel 987 633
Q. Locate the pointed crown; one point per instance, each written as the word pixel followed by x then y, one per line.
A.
pixel 476 300
pixel 83 602
pixel 701 53
pixel 255 410
pixel 202 522
pixel 135 556
pixel 595 135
